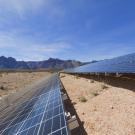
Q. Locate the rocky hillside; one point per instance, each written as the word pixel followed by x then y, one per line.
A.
pixel 51 63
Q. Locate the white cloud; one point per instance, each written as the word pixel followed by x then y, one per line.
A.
pixel 25 49
pixel 22 7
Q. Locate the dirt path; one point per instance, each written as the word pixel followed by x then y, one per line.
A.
pixel 105 110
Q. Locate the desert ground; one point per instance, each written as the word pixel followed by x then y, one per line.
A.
pixel 104 109
pixel 12 82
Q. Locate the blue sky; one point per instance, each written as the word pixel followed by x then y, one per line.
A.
pixel 68 29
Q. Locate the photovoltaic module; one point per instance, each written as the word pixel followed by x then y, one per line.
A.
pixel 43 114
pixel 123 64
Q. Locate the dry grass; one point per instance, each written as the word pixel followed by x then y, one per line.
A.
pixel 77 77
pixel 104 87
pixel 82 99
pixel 111 111
pixel 2 87
pixel 95 94
pixel 92 81
pixel 62 76
pixel 14 81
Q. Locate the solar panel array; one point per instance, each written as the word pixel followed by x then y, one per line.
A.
pixel 41 115
pixel 123 64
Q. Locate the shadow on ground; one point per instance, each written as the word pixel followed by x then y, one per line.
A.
pixel 127 82
pixel 70 108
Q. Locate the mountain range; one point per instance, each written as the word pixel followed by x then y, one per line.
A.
pixel 51 63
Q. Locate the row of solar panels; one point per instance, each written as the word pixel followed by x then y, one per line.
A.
pixel 43 114
pixel 123 64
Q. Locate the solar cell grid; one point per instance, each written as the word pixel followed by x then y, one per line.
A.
pixel 123 64
pixel 43 114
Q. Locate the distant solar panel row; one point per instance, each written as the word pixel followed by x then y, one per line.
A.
pixel 123 64
pixel 41 115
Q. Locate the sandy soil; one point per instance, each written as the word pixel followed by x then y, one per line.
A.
pixel 12 82
pixel 108 110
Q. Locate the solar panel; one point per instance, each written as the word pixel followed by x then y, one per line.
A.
pixel 123 64
pixel 43 114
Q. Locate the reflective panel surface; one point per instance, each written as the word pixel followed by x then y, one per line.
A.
pixel 43 114
pixel 123 64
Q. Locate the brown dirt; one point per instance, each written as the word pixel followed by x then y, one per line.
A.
pixel 109 111
pixel 12 82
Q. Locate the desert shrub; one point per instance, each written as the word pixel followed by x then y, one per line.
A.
pixel 0 75
pixel 62 76
pixel 2 87
pixel 92 81
pixel 82 99
pixel 104 87
pixel 95 94
pixel 6 73
pixel 74 103
pixel 77 77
